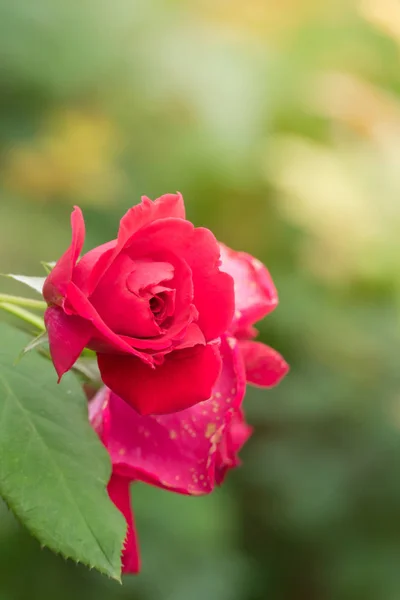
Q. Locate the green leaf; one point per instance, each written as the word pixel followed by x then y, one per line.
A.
pixel 48 266
pixel 35 283
pixel 40 340
pixel 53 468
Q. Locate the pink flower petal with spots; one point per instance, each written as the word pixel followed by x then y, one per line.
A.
pixel 265 367
pixel 176 451
pixel 237 434
pixel 255 293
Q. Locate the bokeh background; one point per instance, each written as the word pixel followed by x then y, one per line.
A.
pixel 279 121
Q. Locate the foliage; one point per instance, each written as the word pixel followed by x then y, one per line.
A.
pixel 53 469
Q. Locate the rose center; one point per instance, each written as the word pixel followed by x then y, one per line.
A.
pixel 156 305
pixel 162 304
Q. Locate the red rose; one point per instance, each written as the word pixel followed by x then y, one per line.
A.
pixel 152 304
pixel 191 451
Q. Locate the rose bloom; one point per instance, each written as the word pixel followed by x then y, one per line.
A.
pixel 152 304
pixel 191 451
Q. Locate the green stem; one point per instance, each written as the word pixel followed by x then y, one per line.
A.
pixel 20 301
pixel 23 314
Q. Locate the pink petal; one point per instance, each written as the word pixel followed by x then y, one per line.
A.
pixel 255 293
pixel 118 490
pixel 193 336
pixel 213 289
pixel 86 268
pixel 167 206
pixel 68 335
pixel 246 333
pixel 131 281
pixel 137 268
pixel 176 451
pixel 128 313
pixel 264 366
pixel 56 283
pixel 183 379
pixel 99 414
pixel 82 307
pixel 184 311
pixel 137 217
pixel 148 272
pixel 101 267
pixel 237 434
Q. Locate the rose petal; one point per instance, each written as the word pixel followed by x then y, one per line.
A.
pixel 119 492
pixel 193 336
pixel 99 414
pixel 183 379
pixel 185 313
pixel 124 311
pixel 176 451
pixel 246 333
pixel 169 205
pixel 86 268
pixel 237 434
pixel 265 367
pixel 255 293
pixel 68 335
pixel 56 283
pixel 141 265
pixel 213 289
pixel 105 336
pixel 147 273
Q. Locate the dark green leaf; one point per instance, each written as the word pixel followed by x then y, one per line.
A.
pixel 53 468
pixel 36 343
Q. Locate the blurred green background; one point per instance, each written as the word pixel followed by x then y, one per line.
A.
pixel 279 121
